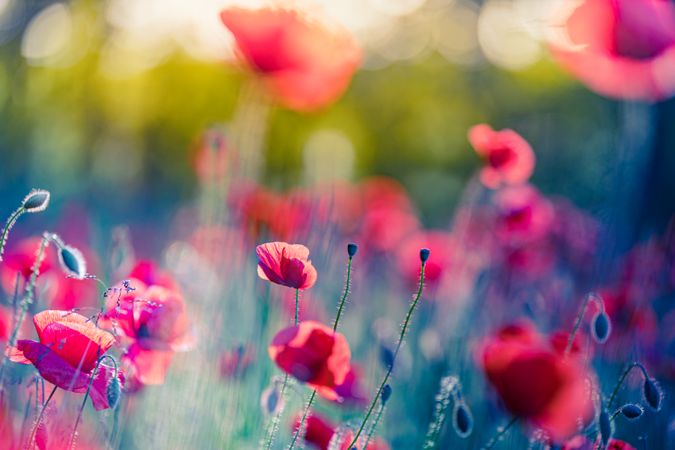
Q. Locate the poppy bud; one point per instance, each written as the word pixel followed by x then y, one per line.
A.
pixel 462 420
pixel 72 262
pixel 386 393
pixel 424 254
pixel 113 392
pixel 652 394
pixel 601 327
pixel 605 427
pixel 631 411
pixel 352 249
pixel 271 401
pixel 386 356
pixel 37 200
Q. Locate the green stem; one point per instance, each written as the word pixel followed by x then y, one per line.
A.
pixel 297 306
pixel 499 435
pixel 26 301
pixel 371 432
pixel 335 325
pixel 622 378
pixel 577 323
pixel 277 417
pixel 8 226
pixel 39 419
pixel 377 396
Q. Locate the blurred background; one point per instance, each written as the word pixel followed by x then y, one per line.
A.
pixel 103 103
pixel 106 104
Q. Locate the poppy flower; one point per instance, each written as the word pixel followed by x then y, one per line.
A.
pixel 148 272
pixel 508 157
pixel 19 259
pixel 536 383
pixel 523 215
pixel 303 62
pixel 286 264
pixel 154 319
pixel 318 431
pixel 67 352
pixel 314 354
pixel 620 48
pixel 582 443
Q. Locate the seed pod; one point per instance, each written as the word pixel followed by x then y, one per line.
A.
pixel 652 394
pixel 601 327
pixel 37 200
pixel 72 262
pixel 386 393
pixel 386 356
pixel 352 249
pixel 424 254
pixel 632 411
pixel 113 392
pixel 462 420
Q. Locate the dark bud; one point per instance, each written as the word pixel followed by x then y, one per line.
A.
pixel 632 411
pixel 386 356
pixel 352 249
pixel 424 254
pixel 37 200
pixel 386 393
pixel 72 262
pixel 462 420
pixel 601 327
pixel 605 427
pixel 271 401
pixel 652 394
pixel 113 392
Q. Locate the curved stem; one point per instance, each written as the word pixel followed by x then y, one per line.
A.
pixel 302 420
pixel 344 294
pixel 406 322
pixel 371 432
pixel 277 417
pixel 580 316
pixel 8 226
pixel 491 443
pixel 39 419
pixel 622 378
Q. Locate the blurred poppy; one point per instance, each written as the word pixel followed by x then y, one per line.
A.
pixel 19 258
pixel 508 157
pixel 67 352
pixel 236 361
pixel 535 383
pixel 582 443
pixel 442 246
pixel 524 215
pixel 314 354
pixel 318 431
pixel 304 62
pixel 620 48
pixel 286 264
pixel 374 444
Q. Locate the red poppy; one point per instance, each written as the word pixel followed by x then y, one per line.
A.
pixel 305 63
pixel 314 354
pixel 536 383
pixel 286 264
pixel 620 48
pixel 67 352
pixel 20 258
pixel 509 159
pixel 524 215
pixel 154 318
pixel 582 443
pixel 318 431
pixel 55 430
pixel 148 272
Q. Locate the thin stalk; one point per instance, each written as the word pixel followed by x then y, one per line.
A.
pixel 371 432
pixel 8 226
pixel 305 413
pixel 39 419
pixel 406 322
pixel 622 378
pixel 580 317
pixel 297 306
pixel 491 443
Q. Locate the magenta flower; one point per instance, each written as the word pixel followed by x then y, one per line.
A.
pixel 286 264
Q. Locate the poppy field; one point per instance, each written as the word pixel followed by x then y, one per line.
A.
pixel 322 225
